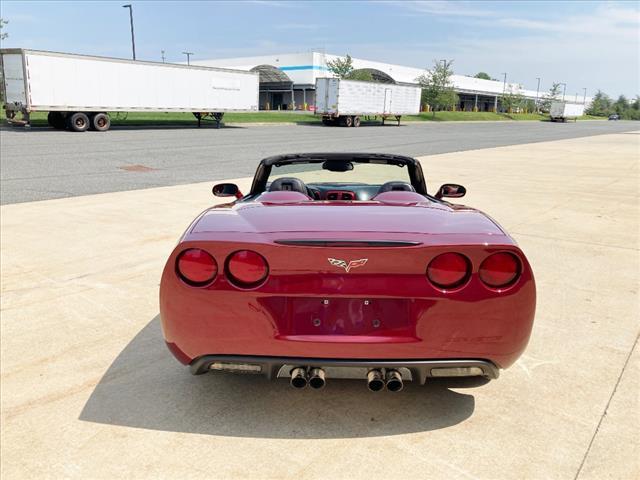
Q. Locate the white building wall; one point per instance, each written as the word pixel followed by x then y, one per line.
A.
pixel 300 67
pixel 304 68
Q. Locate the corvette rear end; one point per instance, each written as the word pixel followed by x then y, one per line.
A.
pixel 312 302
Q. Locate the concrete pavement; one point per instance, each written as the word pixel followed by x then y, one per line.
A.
pixel 90 391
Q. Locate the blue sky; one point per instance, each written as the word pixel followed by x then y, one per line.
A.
pixel 585 44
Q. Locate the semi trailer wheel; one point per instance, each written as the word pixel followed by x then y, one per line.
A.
pixel 78 122
pixel 356 121
pixel 100 122
pixel 56 120
pixel 346 121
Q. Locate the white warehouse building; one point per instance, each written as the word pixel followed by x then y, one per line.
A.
pixel 287 81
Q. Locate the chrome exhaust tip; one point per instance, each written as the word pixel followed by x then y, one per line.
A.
pixel 298 378
pixel 316 378
pixel 375 380
pixel 393 381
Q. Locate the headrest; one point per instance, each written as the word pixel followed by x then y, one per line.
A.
pixel 282 197
pixel 398 197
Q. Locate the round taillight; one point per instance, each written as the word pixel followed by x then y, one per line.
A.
pixel 448 270
pixel 247 269
pixel 196 267
pixel 500 270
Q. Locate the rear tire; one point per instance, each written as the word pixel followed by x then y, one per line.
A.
pixel 356 121
pixel 100 122
pixel 346 121
pixel 78 122
pixel 56 120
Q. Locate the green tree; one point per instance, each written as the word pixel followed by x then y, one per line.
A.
pixel 362 75
pixel 529 105
pixel 341 67
pixel 600 105
pixel 3 22
pixel 552 96
pixel 482 75
pixel 621 105
pixel 512 100
pixel 437 88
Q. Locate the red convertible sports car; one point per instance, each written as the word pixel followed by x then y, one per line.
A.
pixel 341 265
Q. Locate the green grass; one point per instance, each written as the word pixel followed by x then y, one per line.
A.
pixel 178 118
pixel 187 119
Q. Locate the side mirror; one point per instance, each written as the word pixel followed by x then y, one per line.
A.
pixel 226 190
pixel 451 190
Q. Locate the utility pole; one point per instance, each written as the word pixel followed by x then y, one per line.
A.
pixel 133 38
pixel 504 83
pixel 537 94
pixel 188 54
pixel 162 54
pixel 584 99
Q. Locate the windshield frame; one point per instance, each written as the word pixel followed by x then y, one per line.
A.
pixel 265 167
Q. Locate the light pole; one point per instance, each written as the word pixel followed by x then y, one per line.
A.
pixel 504 83
pixel 537 94
pixel 584 99
pixel 133 38
pixel 188 54
pixel 564 90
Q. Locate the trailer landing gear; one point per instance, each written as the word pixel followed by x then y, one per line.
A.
pixel 398 117
pixel 216 116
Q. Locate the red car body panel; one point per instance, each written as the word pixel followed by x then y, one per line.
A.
pixel 384 309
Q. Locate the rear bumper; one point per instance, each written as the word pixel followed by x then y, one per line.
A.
pixel 274 367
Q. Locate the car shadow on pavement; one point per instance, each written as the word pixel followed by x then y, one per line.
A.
pixel 145 387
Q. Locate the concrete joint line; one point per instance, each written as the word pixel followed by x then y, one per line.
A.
pixel 606 408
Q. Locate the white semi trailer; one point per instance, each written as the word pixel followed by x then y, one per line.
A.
pixel 344 102
pixel 563 111
pixel 78 91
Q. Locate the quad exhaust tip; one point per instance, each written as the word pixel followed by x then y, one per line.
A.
pixel 299 378
pixel 393 381
pixel 375 380
pixel 316 378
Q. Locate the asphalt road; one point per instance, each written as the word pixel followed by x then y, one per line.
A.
pixel 41 164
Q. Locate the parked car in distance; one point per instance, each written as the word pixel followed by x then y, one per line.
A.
pixel 614 116
pixel 343 265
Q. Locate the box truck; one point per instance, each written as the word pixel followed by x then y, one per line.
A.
pixel 79 91
pixel 563 111
pixel 344 102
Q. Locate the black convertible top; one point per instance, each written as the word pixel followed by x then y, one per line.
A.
pixel 264 167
